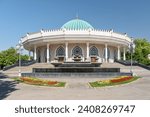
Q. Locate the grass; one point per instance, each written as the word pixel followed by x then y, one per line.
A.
pixel 97 84
pixel 40 82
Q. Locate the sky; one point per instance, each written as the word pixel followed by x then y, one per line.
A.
pixel 18 17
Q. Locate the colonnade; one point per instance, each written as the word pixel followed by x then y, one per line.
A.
pixel 87 52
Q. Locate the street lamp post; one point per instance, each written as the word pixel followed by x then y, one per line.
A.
pixel 131 71
pixel 19 48
pixel 132 46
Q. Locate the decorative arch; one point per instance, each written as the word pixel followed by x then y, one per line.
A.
pixel 77 51
pixel 93 51
pixel 60 51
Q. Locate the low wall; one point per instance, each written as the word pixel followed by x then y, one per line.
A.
pixel 134 63
pixel 75 70
pixel 75 75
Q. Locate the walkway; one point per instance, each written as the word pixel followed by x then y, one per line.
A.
pixel 77 88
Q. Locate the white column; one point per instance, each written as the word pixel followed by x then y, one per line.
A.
pixel 106 53
pixel 124 53
pixel 35 52
pixel 118 53
pixel 47 53
pixel 87 53
pixel 66 50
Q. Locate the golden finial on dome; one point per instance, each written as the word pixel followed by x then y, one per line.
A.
pixel 77 17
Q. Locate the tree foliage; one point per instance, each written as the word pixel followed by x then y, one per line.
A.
pixel 142 49
pixel 10 56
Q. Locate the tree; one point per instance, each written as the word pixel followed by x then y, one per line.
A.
pixel 142 49
pixel 10 56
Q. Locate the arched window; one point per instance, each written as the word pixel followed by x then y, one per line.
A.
pixel 60 51
pixel 108 53
pixel 77 51
pixel 93 51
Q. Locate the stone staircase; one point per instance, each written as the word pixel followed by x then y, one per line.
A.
pixel 112 65
pixel 27 69
pixel 136 69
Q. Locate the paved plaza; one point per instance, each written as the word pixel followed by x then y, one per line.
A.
pixel 76 88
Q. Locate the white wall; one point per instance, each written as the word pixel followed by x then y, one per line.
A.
pixel 53 48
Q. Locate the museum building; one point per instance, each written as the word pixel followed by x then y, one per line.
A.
pixel 76 41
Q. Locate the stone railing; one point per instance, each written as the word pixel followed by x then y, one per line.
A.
pixel 135 63
pixel 23 63
pixel 62 32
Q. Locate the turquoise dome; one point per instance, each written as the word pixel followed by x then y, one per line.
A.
pixel 77 24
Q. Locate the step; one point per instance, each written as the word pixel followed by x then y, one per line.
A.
pixel 75 75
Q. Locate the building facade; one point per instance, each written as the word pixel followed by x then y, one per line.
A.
pixel 76 40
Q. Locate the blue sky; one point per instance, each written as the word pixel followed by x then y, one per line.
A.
pixel 17 17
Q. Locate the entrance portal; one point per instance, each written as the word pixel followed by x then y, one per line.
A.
pixel 77 54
